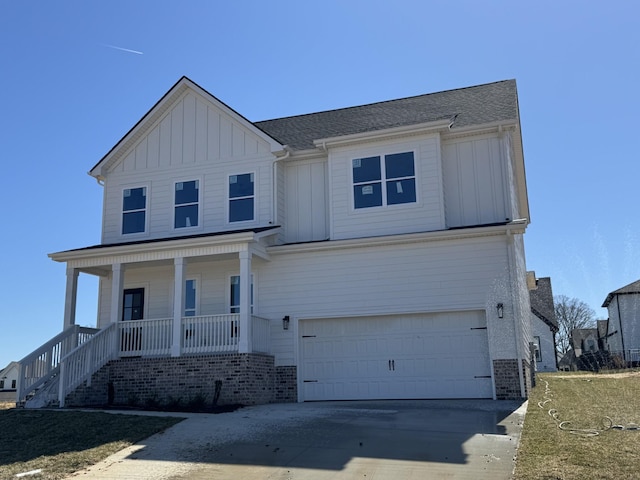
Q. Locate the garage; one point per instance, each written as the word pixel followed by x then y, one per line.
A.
pixel 438 355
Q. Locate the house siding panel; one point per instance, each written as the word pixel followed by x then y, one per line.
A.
pixel 424 215
pixel 474 182
pixel 307 192
pixel 630 321
pixel 193 141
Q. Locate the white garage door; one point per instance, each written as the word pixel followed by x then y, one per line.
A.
pixel 443 355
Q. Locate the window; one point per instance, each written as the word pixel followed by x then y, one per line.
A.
pixel 186 204
pixel 387 180
pixel 234 298
pixel 13 384
pixel 536 341
pixel 1 384
pixel 241 197
pixel 190 298
pixel 133 304
pixel 134 208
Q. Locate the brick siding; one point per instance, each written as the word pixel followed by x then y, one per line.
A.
pixel 507 378
pixel 246 379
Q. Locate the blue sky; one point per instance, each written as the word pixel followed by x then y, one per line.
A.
pixel 68 96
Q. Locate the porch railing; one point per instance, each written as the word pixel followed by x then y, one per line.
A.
pixel 86 359
pixel 44 363
pixel 95 348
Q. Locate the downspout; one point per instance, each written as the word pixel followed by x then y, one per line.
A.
pixel 274 174
pixel 516 303
pixel 624 353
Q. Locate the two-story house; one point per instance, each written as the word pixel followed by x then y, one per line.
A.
pixel 362 253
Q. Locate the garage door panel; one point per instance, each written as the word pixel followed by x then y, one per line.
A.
pixel 419 356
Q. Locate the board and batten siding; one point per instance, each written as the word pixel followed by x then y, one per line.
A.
pixel 306 192
pixel 192 141
pixel 424 215
pixel 475 182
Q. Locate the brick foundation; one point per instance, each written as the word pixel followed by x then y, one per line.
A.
pixel 507 378
pixel 246 379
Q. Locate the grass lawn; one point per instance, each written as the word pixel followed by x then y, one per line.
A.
pixel 62 442
pixel 584 400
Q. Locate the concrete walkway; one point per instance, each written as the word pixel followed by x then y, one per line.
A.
pixel 458 439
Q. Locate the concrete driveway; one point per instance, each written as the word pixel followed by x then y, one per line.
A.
pixel 453 439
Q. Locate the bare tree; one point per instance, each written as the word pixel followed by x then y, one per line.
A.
pixel 571 313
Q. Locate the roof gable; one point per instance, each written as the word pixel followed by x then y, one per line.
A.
pixel 632 288
pixel 542 302
pixel 184 90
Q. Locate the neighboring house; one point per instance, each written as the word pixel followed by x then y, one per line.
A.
pixel 623 329
pixel 361 253
pixel 9 377
pixel 588 349
pixel 544 325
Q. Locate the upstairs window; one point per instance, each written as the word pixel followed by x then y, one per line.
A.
pixel 384 180
pixel 241 197
pixel 186 204
pixel 134 210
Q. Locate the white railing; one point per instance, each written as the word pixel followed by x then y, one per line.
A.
pixel 42 364
pixel 145 337
pixel 210 333
pixel 633 355
pixel 260 329
pixel 82 362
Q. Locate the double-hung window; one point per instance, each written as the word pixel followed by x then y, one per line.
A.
pixel 384 180
pixel 241 197
pixel 186 204
pixel 134 210
pixel 234 297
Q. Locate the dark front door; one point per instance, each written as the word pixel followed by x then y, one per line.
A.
pixel 132 309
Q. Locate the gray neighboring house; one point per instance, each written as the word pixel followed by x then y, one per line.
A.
pixel 544 324
pixel 9 377
pixel 623 329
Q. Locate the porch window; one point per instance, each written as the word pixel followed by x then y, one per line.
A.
pixel 187 197
pixel 190 298
pixel 134 210
pixel 234 296
pixel 384 180
pixel 241 197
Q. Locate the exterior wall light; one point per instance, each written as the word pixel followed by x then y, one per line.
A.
pixel 285 322
pixel 500 308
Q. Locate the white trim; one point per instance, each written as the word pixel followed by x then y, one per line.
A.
pixel 517 226
pixel 199 180
pixel 383 135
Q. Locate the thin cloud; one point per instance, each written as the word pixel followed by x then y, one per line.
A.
pixel 123 49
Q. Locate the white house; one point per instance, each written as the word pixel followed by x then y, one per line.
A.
pixel 361 253
pixel 9 377
pixel 623 328
pixel 544 324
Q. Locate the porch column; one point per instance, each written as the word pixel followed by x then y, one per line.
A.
pixel 244 342
pixel 179 265
pixel 70 298
pixel 117 282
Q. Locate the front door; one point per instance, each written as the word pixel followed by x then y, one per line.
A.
pixel 132 309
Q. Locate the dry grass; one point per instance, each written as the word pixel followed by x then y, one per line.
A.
pixel 62 442
pixel 7 405
pixel 584 400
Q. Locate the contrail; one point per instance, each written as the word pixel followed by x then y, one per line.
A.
pixel 123 49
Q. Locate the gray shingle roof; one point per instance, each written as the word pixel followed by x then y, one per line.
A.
pixel 542 301
pixel 491 102
pixel 626 290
